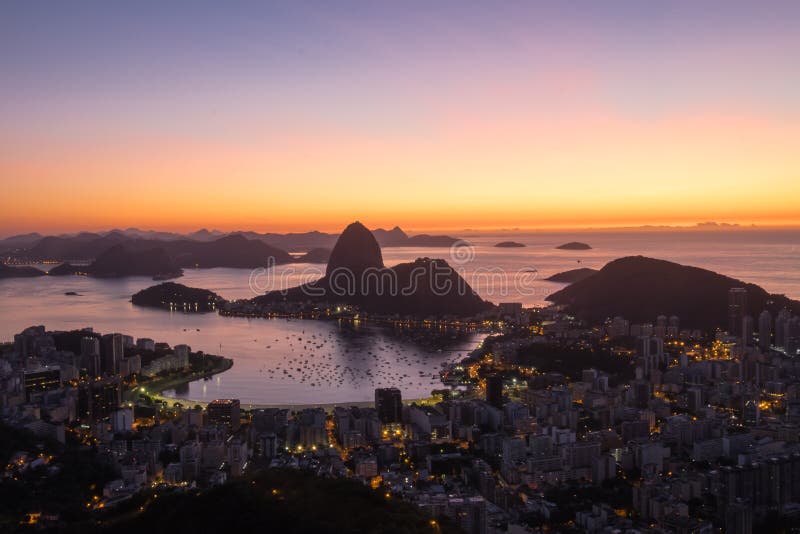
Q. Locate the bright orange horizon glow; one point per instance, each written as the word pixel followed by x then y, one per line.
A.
pixel 531 172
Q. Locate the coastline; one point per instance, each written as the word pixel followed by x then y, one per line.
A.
pixel 162 384
pixel 328 407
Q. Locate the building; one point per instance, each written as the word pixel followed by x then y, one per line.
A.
pixel 99 399
pixel 112 350
pixel 764 330
pixel 145 343
pixel 90 355
pixel 224 412
pixel 494 391
pixel 41 379
pixel 389 405
pixel 737 309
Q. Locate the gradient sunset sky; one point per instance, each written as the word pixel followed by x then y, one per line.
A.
pixel 307 115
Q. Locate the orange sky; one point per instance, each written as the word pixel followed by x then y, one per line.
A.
pixel 470 172
pixel 453 117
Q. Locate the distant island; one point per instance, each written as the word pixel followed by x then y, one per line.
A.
pixel 178 297
pixel 509 244
pixel 640 289
pixel 574 245
pixel 571 276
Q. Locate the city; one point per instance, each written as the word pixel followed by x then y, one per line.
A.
pixel 650 427
pixel 374 267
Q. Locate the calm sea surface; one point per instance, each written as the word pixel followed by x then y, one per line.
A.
pixel 307 362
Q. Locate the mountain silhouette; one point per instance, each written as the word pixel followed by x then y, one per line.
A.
pixel 640 289
pixel 120 260
pixel 356 250
pixel 355 275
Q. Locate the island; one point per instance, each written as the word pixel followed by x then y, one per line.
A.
pixel 509 244
pixel 571 276
pixel 178 297
pixel 355 275
pixel 574 245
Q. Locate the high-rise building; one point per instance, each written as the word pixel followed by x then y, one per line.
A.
pixel 104 398
pixel 145 343
pixel 650 351
pixel 494 390
pixel 389 405
pixel 112 350
pixel 764 329
pixel 748 325
pixel 780 327
pixel 224 412
pixel 737 309
pixel 90 355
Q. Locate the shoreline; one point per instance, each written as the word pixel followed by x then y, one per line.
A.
pixel 328 407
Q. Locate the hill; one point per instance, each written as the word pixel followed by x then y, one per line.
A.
pixel 571 276
pixel 640 289
pixel 315 255
pixel 279 501
pixel 121 260
pixel 172 296
pixel 230 251
pixel 509 244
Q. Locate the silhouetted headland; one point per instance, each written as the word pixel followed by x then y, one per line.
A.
pixel 640 288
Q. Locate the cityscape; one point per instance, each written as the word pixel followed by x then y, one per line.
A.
pixel 351 267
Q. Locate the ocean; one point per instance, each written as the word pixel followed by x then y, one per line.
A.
pixel 327 364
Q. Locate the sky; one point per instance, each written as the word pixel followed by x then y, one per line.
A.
pixel 293 115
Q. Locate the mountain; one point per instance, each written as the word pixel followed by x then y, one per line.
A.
pixel 230 251
pixel 82 246
pixel 356 250
pixel 121 260
pixel 205 235
pixel 65 269
pixel 15 242
pixel 19 272
pixel 90 245
pixel 640 289
pixel 390 238
pixel 571 276
pixel 172 296
pixel 275 500
pixel 425 240
pixel 509 244
pixel 315 255
pixel 574 245
pixel 355 275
